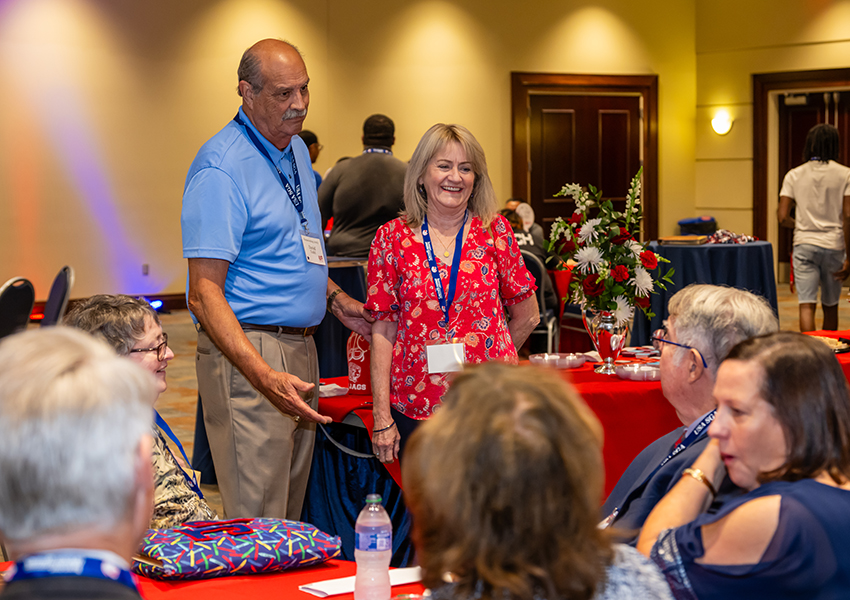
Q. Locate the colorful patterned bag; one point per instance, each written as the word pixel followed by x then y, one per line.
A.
pixel 206 549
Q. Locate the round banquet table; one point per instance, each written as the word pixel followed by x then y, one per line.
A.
pixel 746 266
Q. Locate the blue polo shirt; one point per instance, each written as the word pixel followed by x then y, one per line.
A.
pixel 236 209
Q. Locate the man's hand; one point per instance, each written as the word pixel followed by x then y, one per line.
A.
pixel 842 274
pixel 353 315
pixel 282 390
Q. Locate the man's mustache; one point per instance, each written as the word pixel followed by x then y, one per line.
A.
pixel 292 113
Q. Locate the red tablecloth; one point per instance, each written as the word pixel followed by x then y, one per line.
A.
pixel 278 585
pixel 633 414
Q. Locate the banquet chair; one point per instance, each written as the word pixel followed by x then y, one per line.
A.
pixel 548 326
pixel 17 297
pixel 57 300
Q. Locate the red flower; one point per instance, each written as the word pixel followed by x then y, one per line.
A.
pixel 642 301
pixel 593 285
pixel 648 259
pixel 622 237
pixel 620 273
pixel 575 219
pixel 567 247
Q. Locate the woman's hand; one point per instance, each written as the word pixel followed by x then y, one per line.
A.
pixel 686 501
pixel 386 443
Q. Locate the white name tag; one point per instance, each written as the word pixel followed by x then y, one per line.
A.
pixel 313 249
pixel 445 358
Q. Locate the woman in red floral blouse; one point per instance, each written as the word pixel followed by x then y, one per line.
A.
pixel 421 334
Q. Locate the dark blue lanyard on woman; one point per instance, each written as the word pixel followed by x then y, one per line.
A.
pixel 684 443
pixel 445 299
pixel 67 564
pixel 294 196
pixel 164 426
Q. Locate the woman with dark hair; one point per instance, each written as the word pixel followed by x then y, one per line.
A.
pixel 782 433
pixel 441 278
pixel 820 190
pixel 505 498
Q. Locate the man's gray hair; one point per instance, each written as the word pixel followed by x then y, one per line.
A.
pixel 72 416
pixel 714 318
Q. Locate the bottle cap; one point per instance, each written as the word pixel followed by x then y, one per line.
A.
pixel 373 498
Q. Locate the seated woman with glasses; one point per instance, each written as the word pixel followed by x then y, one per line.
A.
pixel 503 483
pixel 132 327
pixel 782 433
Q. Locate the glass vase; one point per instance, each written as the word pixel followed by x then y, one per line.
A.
pixel 608 338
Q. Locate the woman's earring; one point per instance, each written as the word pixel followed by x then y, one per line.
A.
pixel 421 190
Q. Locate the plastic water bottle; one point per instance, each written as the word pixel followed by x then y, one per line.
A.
pixel 373 548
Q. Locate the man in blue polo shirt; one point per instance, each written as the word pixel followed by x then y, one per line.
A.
pixel 259 286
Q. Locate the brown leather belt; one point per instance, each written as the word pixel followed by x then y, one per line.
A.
pixel 280 329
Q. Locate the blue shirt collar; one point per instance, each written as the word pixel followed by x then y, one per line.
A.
pixel 271 148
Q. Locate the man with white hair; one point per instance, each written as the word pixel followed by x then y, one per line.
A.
pixel 76 485
pixel 704 323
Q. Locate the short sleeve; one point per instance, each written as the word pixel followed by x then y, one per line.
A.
pixel 788 184
pixel 515 282
pixel 214 216
pixel 383 279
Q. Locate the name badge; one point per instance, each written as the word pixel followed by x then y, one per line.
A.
pixel 313 249
pixel 445 358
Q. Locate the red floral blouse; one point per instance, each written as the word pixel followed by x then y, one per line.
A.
pixel 401 289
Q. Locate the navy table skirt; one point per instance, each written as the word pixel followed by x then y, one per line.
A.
pixel 745 266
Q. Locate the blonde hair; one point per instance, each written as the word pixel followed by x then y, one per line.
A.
pixel 482 202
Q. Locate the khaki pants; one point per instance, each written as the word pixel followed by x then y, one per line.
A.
pixel 262 457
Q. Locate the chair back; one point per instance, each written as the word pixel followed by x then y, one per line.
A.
pixel 17 297
pixel 57 301
pixel 538 271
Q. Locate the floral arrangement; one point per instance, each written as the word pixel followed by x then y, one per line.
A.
pixel 613 271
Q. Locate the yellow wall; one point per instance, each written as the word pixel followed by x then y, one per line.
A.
pixel 106 103
pixel 735 39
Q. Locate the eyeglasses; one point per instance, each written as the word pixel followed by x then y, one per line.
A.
pixel 660 337
pixel 160 348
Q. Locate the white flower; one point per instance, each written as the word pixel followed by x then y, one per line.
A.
pixel 643 281
pixel 588 232
pixel 573 190
pixel 635 247
pixel 588 259
pixel 624 310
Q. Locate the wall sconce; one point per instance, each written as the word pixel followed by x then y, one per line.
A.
pixel 722 122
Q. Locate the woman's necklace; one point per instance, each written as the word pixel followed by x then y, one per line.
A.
pixel 447 249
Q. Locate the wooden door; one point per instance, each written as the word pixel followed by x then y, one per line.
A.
pixel 585 129
pixel 584 139
pixel 798 113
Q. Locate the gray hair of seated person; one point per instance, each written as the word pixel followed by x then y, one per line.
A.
pixel 72 416
pixel 714 318
pixel 117 319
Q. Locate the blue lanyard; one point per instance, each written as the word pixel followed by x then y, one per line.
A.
pixel 686 441
pixel 377 151
pixel 294 196
pixel 445 300
pixel 66 564
pixel 190 480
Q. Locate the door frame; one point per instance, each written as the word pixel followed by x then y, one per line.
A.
pixel 524 85
pixel 763 85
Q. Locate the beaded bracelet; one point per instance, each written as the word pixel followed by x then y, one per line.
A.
pixel 390 426
pixel 332 297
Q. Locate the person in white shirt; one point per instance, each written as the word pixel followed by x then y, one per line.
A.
pixel 820 190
